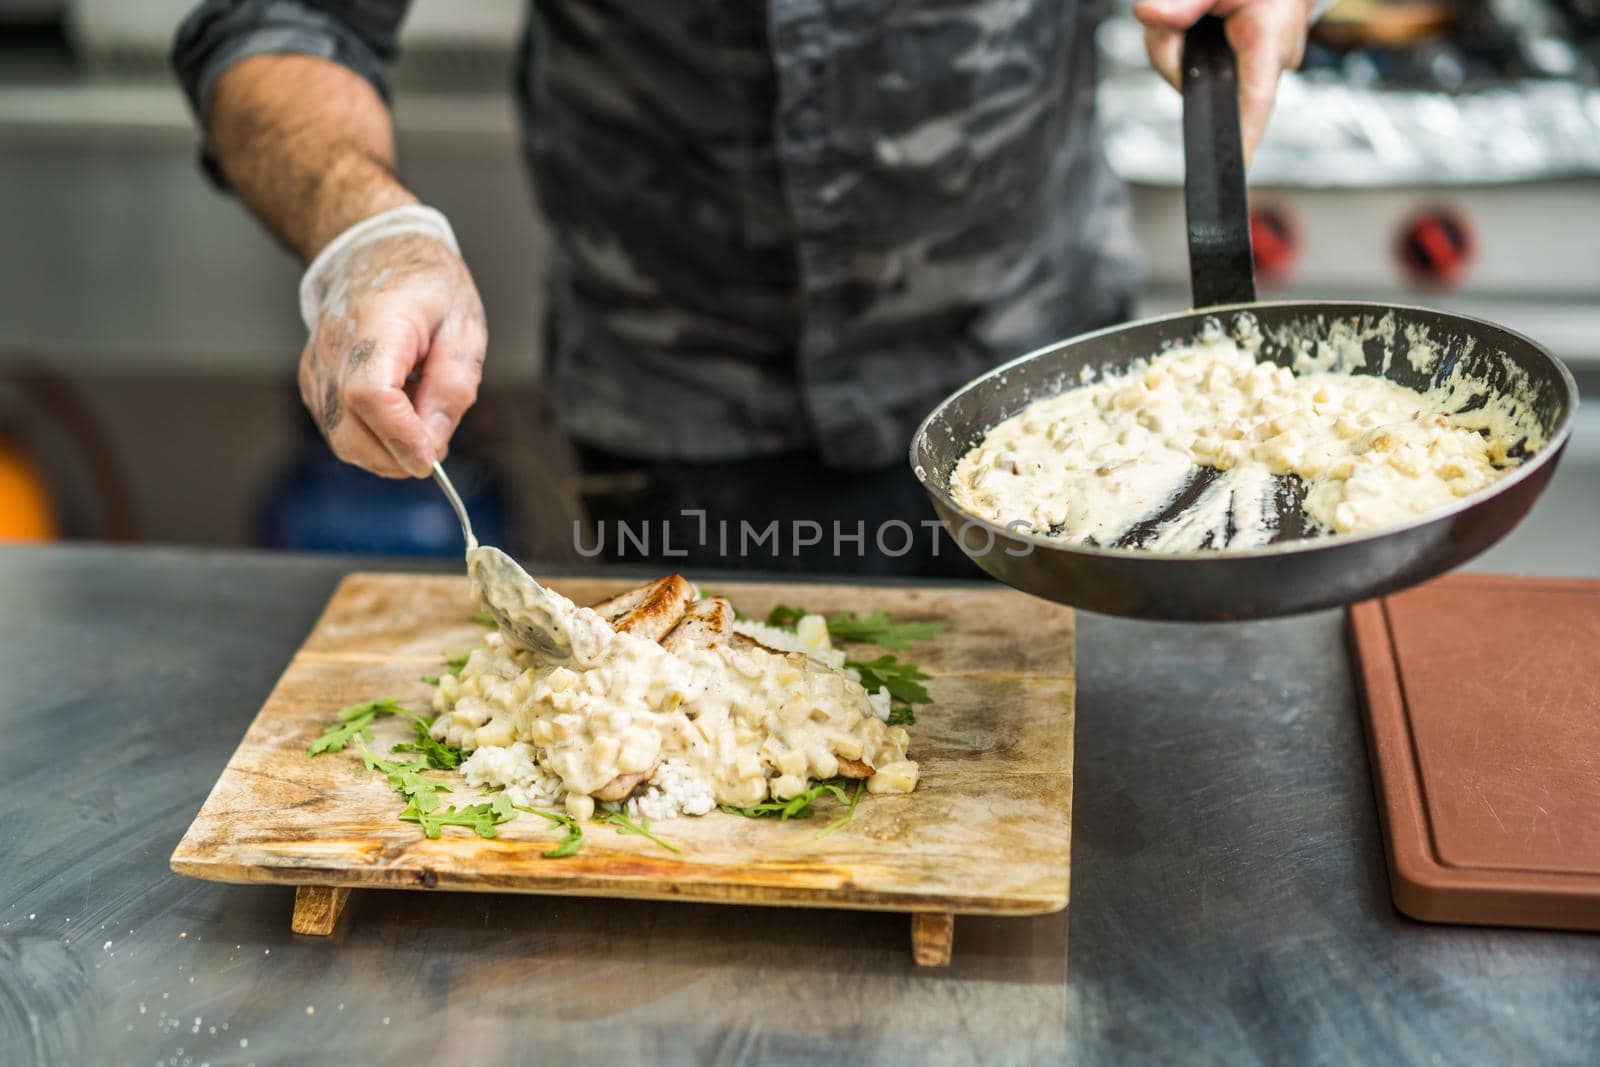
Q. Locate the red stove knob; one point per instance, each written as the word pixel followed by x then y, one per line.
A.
pixel 1275 242
pixel 1436 248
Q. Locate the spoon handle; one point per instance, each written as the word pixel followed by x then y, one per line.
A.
pixel 455 501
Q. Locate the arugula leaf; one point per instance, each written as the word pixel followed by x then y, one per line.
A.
pixel 876 629
pixel 619 821
pixel 901 679
pixel 850 812
pixel 406 778
pixel 479 818
pixel 354 721
pixel 483 618
pixel 434 753
pixel 756 811
pixel 569 843
pixel 785 617
pixel 454 662
pixel 797 806
pixel 904 715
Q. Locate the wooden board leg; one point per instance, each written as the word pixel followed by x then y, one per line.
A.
pixel 317 909
pixel 932 934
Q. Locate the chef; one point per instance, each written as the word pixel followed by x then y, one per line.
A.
pixel 781 232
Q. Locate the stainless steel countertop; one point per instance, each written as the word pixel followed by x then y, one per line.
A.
pixel 1229 901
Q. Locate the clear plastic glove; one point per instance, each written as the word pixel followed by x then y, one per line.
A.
pixel 397 340
pixel 1268 37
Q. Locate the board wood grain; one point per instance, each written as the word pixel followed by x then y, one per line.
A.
pixel 987 831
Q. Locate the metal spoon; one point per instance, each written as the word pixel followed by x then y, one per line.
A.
pixel 523 609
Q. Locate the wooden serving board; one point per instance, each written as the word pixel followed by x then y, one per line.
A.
pixel 987 831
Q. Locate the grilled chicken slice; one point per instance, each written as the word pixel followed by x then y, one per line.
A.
pixel 706 624
pixel 654 611
pixel 651 610
pixel 624 784
pixel 854 768
pixel 613 608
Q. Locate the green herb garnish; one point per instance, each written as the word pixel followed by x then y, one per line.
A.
pixel 850 811
pixel 354 721
pixel 903 715
pixel 903 680
pixel 757 811
pixel 797 806
pixel 570 843
pixel 619 821
pixel 784 617
pixel 409 777
pixel 434 753
pixel 431 679
pixel 876 629
pixel 479 818
pixel 454 663
pixel 406 778
pixel 483 618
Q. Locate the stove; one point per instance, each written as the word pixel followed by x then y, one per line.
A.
pixel 1459 171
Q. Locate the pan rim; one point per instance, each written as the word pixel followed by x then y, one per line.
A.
pixel 1553 446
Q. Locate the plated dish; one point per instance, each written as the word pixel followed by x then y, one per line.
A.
pixel 662 703
pixel 682 708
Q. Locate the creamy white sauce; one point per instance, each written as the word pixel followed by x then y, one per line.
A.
pixel 1101 463
pixel 536 619
pixel 739 725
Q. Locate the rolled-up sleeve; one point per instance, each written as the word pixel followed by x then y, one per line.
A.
pixel 360 34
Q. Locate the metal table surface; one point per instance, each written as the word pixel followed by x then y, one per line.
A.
pixel 1229 905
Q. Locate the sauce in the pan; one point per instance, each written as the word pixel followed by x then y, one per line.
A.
pixel 1110 462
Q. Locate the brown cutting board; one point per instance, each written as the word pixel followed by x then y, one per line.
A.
pixel 987 831
pixel 1482 700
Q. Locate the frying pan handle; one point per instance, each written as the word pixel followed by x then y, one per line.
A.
pixel 1221 268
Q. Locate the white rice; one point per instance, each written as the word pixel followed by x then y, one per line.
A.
pixel 809 636
pixel 513 768
pixel 673 790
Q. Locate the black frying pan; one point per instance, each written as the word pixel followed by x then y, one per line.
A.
pixel 1297 571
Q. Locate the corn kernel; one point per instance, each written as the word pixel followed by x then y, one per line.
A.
pixel 580 807
pixel 899 777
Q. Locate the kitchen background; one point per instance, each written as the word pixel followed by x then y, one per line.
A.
pixel 1429 152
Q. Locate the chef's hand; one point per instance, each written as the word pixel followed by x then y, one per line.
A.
pixel 397 343
pixel 1268 36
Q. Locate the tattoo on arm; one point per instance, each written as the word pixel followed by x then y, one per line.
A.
pixel 359 355
pixel 331 412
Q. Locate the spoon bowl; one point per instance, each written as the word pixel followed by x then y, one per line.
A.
pixel 525 611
